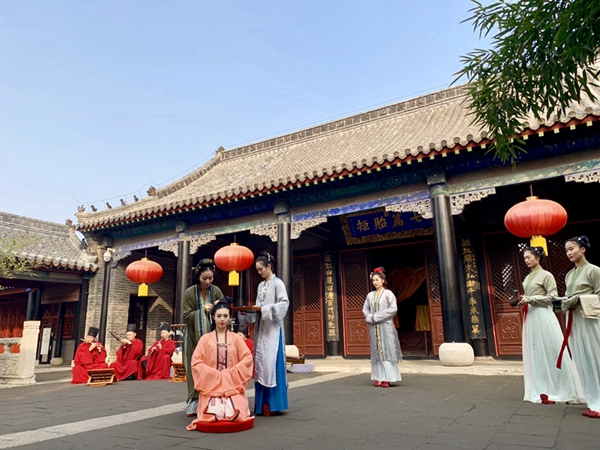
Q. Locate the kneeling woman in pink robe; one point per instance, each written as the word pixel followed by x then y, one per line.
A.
pixel 222 367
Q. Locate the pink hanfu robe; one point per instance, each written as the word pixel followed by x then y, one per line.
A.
pixel 127 359
pixel 221 374
pixel 158 361
pixel 87 360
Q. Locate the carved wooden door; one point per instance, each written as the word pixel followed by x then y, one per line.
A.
pixel 12 316
pixel 505 272
pixel 435 300
pixel 355 285
pixel 307 306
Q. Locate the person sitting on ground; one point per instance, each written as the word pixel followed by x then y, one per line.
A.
pixel 221 370
pixel 157 364
pixel 126 365
pixel 90 355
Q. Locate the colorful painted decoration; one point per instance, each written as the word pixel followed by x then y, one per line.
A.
pixel 233 259
pixel 144 272
pixel 534 219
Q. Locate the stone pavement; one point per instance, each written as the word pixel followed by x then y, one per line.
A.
pixel 329 411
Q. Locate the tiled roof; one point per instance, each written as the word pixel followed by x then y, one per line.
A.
pixel 408 130
pixel 47 243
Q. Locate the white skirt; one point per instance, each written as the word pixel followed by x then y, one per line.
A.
pixel 385 371
pixel 542 340
pixel 584 343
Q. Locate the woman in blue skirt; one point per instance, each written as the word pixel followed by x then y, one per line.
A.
pixel 270 380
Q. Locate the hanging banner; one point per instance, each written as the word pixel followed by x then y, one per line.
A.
pixel 381 225
pixel 473 289
pixel 331 308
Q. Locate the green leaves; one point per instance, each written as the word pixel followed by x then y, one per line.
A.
pixel 541 59
pixel 10 263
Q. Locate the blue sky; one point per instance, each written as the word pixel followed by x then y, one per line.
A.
pixel 101 99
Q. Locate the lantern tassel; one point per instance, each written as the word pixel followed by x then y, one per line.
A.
pixel 234 278
pixel 539 241
pixel 143 290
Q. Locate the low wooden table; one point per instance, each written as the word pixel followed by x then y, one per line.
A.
pixel 101 377
pixel 179 374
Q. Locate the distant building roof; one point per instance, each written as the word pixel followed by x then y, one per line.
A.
pixel 48 244
pixel 434 123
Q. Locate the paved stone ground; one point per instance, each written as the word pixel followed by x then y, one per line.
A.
pixel 425 412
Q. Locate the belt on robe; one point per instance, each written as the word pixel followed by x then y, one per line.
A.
pixel 565 340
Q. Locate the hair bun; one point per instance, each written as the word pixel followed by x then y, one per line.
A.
pixel 540 251
pixel 379 270
pixel 584 241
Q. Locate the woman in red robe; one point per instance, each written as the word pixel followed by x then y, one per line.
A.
pixel 90 355
pixel 157 365
pixel 222 367
pixel 126 365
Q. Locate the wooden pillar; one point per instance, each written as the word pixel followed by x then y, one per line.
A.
pixel 37 312
pixel 31 295
pixel 285 263
pixel 184 274
pixel 79 330
pixel 59 331
pixel 447 257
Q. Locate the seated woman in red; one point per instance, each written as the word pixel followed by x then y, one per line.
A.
pixel 222 367
pixel 157 364
pixel 90 355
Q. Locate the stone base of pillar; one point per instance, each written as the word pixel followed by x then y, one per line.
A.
pixel 19 368
pixel 17 381
pixel 57 361
pixel 456 354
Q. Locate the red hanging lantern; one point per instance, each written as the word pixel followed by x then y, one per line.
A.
pixel 144 272
pixel 234 258
pixel 534 219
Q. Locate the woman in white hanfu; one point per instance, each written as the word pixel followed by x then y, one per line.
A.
pixel 583 281
pixel 542 339
pixel 270 379
pixel 379 309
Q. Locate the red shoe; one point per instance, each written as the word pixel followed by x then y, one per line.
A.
pixel 545 400
pixel 266 411
pixel 586 412
pixel 593 414
pixel 385 384
pixel 376 383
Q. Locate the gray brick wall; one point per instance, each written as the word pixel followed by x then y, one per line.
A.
pixel 160 300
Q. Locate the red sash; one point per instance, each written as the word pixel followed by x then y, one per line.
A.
pixel 565 340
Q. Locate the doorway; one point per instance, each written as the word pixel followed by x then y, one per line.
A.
pixel 138 315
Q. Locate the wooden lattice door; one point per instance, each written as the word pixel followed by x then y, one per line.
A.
pixel 355 287
pixel 307 306
pixel 505 273
pixel 12 316
pixel 435 301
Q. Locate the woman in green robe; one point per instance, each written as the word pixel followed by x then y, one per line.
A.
pixel 198 301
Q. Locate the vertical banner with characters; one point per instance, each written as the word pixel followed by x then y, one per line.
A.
pixel 473 288
pixel 331 304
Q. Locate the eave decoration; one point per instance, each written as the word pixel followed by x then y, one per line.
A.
pixel 233 259
pixel 144 272
pixel 534 219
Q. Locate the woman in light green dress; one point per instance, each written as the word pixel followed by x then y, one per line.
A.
pixel 583 333
pixel 198 301
pixel 542 339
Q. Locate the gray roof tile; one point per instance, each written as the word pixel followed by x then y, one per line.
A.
pixel 404 130
pixel 47 243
